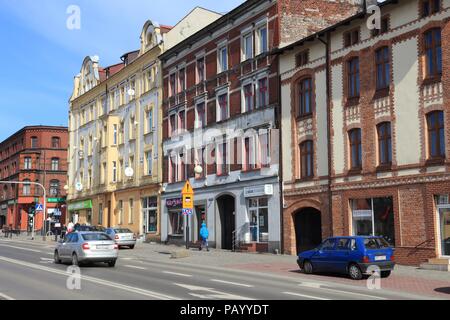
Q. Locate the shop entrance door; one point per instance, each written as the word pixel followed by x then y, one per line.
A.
pixel 444 225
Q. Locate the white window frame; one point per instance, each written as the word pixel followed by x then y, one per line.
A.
pixel 172 131
pixel 173 91
pixel 220 156
pixel 218 113
pixel 221 66
pixel 244 56
pixel 197 74
pixel 114 172
pixel 260 27
pixel 197 103
pixel 149 163
pixel 130 211
pixel 258 102
pixel 243 100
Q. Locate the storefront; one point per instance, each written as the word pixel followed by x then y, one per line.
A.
pixel 257 200
pixel 175 230
pixel 80 212
pixel 443 223
pixel 150 215
pixel 3 214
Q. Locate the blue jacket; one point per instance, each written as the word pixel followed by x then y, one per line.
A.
pixel 204 233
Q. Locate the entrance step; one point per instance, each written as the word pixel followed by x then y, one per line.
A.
pixel 435 267
pixel 444 261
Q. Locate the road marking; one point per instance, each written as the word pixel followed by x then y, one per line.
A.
pixel 233 283
pixel 178 274
pixel 211 293
pixel 320 287
pixel 20 248
pixel 304 296
pixel 107 283
pixel 5 297
pixel 134 267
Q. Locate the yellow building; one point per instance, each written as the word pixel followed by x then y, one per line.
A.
pixel 115 132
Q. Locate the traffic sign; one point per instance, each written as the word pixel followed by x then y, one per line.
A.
pixel 39 207
pixel 187 189
pixel 187 212
pixel 188 196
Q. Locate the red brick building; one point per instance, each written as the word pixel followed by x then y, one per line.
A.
pixel 366 131
pixel 33 154
pixel 221 113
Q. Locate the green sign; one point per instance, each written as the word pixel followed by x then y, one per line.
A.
pixel 56 200
pixel 11 202
pixel 86 204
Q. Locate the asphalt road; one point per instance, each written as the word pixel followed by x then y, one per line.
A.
pixel 27 272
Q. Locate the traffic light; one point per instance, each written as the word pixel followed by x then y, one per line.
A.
pixel 32 211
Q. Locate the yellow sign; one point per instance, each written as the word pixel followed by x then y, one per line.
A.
pixel 188 196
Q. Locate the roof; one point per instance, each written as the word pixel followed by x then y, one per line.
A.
pixel 345 22
pixel 34 127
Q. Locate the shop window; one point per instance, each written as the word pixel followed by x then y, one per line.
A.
pixel 150 209
pixel 374 217
pixel 176 223
pixel 258 210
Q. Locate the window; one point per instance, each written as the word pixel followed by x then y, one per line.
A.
pixel 27 165
pixel 248 97
pixel 374 217
pixel 54 187
pixel 430 7
pixel 115 134
pixel 56 143
pixel 307 159
pixel 200 160
pixel 120 171
pixel 302 58
pixel 182 168
pixel 249 154
pixel 304 97
pixel 262 40
pixel 355 149
pixel 200 115
pixel 384 27
pixel 150 209
pixel 173 168
pixel 34 142
pixel 130 211
pixel 149 162
pixel 222 165
pixel 433 53
pixel 436 135
pixel 114 171
pixel 201 70
pixel 223 59
pixel 384 143
pixel 247 48
pixel 264 148
pixel 353 78
pixel 351 38
pixel 182 120
pixel 172 85
pixel 176 223
pixel 383 68
pixel 26 189
pixel 120 211
pixel 172 123
pixel 182 79
pixel 132 128
pixel 258 210
pixel 55 164
pixel 103 174
pixel 263 94
pixel 100 214
pixel 149 120
pixel 223 107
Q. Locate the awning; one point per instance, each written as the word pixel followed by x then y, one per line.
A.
pixel 80 205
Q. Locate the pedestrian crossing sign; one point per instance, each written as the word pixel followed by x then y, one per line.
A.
pixel 39 207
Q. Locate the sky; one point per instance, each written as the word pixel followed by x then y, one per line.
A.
pixel 40 55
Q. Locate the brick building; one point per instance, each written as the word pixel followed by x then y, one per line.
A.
pixel 370 107
pixel 33 154
pixel 220 121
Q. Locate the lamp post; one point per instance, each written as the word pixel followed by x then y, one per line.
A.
pixel 45 204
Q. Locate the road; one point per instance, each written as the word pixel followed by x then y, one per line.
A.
pixel 27 272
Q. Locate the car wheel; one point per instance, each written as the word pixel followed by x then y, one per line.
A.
pixel 355 272
pixel 385 274
pixel 56 257
pixel 307 267
pixel 75 261
pixel 112 264
pixel 131 247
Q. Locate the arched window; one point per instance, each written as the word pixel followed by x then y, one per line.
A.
pixel 433 53
pixel 307 159
pixel 383 67
pixel 384 143
pixel 353 77
pixel 304 97
pixel 355 149
pixel 436 135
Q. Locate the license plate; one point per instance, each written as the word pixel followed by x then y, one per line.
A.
pixel 103 247
pixel 380 258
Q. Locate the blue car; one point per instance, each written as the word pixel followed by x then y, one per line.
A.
pixel 354 256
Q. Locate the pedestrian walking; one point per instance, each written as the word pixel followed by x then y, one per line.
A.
pixel 204 234
pixel 70 227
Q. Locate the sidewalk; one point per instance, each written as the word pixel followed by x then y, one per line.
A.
pixel 404 278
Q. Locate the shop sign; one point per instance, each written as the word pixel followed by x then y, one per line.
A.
pixel 174 203
pixel 56 200
pixel 81 205
pixel 258 191
pixel 362 213
pixel 11 202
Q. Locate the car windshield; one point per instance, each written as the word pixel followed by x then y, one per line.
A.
pixel 123 231
pixel 95 237
pixel 375 243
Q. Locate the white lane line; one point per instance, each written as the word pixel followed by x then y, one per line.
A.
pixel 304 296
pixel 5 297
pixel 46 259
pixel 178 274
pixel 353 293
pixel 147 293
pixel 233 283
pixel 134 267
pixel 20 248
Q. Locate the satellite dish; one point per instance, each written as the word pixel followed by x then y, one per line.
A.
pixel 198 170
pixel 79 186
pixel 129 172
pixel 131 92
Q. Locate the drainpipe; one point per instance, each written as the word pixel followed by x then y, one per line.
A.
pixel 278 121
pixel 328 94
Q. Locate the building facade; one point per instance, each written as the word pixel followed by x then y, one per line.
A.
pixel 366 131
pixel 220 122
pixel 33 154
pixel 115 132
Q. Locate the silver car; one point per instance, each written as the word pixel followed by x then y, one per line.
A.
pixel 122 236
pixel 80 247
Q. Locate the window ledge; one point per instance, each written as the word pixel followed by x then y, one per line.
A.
pixel 354 171
pixel 384 167
pixel 435 161
pixel 381 93
pixel 432 80
pixel 304 117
